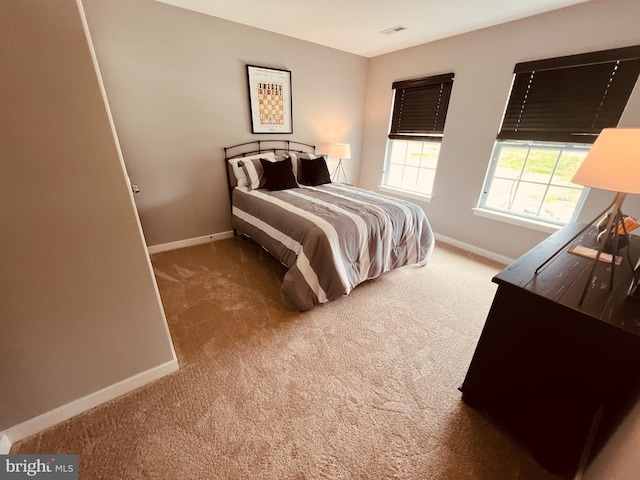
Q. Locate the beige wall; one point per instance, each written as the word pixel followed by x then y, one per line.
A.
pixel 483 64
pixel 79 309
pixel 176 83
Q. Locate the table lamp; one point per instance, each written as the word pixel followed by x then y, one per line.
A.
pixel 613 163
pixel 341 151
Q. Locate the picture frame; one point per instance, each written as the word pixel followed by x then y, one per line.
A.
pixel 270 103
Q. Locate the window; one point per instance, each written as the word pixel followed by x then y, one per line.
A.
pixel 533 180
pixel 556 110
pixel 417 124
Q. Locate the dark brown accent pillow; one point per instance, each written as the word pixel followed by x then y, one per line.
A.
pixel 278 175
pixel 313 171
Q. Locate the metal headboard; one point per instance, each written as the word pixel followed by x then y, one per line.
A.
pixel 260 146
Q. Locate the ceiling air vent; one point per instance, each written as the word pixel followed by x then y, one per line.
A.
pixel 392 30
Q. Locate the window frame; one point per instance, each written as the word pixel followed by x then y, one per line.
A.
pixel 533 145
pixel 413 193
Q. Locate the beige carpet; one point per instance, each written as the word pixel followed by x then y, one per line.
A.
pixel 363 387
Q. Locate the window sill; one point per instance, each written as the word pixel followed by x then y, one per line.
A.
pixel 515 220
pixel 405 193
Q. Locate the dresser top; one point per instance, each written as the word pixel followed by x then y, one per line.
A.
pixel 563 279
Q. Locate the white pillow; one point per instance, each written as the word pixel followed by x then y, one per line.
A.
pixel 294 156
pixel 312 156
pixel 238 171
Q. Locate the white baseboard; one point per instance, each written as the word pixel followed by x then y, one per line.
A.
pixel 64 412
pixel 189 242
pixel 214 237
pixel 5 445
pixel 473 249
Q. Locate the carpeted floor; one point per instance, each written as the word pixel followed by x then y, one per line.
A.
pixel 361 388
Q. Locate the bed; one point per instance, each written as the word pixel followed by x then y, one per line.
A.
pixel 330 236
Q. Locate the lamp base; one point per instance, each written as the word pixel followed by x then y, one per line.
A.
pixel 610 243
pixel 335 176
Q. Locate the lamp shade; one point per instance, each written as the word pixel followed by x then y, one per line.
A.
pixel 342 150
pixel 613 163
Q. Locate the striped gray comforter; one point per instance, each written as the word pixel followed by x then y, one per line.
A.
pixel 332 237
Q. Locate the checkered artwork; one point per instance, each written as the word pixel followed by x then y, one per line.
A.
pixel 271 104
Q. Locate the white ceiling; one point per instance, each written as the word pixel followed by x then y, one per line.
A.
pixel 354 25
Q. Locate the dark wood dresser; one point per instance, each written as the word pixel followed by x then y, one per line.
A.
pixel 547 369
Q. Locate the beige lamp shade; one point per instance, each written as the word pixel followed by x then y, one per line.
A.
pixel 613 163
pixel 341 150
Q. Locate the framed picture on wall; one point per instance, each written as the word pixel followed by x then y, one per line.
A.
pixel 270 100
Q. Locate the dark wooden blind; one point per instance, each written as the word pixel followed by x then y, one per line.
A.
pixel 570 99
pixel 420 108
